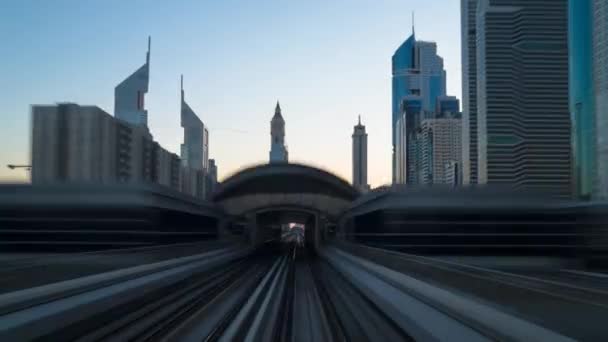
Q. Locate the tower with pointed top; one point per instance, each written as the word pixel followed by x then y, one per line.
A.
pixel 419 78
pixel 129 95
pixel 360 157
pixel 195 149
pixel 278 150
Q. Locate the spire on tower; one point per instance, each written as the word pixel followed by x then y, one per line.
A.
pixel 148 53
pixel 277 111
pixel 414 23
pixel 181 87
pixel 359 119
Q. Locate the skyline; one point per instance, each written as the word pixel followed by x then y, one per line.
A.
pixel 323 96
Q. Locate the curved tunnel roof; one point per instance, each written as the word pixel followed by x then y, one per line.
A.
pixel 284 178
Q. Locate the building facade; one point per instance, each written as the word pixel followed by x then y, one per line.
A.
pixel 600 82
pixel 84 144
pixel 468 29
pixel 360 157
pixel 412 112
pixel 447 105
pixel 278 150
pixel 195 149
pixel 400 154
pixel 211 178
pixel 582 106
pixel 129 95
pixel 439 146
pixel 417 70
pixel 453 174
pixel 522 95
pixel 67 144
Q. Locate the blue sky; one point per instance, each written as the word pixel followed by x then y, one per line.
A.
pixel 327 61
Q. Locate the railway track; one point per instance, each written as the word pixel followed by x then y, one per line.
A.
pixel 274 293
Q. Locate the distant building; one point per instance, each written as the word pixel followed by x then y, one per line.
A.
pixel 195 149
pixel 438 144
pixel 468 29
pixel 129 95
pixel 447 105
pixel 522 99
pixel 192 182
pixel 417 70
pixel 400 154
pixel 278 150
pixel 453 174
pixel 211 178
pixel 84 144
pixel 168 167
pixel 360 157
pixel 80 144
pixel 412 114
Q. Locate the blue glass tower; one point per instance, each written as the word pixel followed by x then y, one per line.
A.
pixel 403 64
pixel 417 71
pixel 582 106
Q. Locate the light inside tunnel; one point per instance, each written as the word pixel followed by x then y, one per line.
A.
pixel 293 232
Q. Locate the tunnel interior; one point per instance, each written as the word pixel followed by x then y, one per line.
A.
pixel 275 225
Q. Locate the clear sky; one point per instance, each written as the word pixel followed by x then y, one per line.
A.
pixel 325 60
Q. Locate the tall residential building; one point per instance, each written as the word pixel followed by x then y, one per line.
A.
pixel 582 107
pixel 129 95
pixel 522 95
pixel 412 113
pixel 84 144
pixel 417 70
pixel 360 157
pixel 468 15
pixel 438 149
pixel 600 82
pixel 195 149
pixel 278 150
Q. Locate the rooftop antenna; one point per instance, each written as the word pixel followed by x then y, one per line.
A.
pixel 148 53
pixel 181 87
pixel 413 22
pixel 359 119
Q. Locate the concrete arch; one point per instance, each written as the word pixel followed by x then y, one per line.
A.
pixel 264 209
pixel 284 178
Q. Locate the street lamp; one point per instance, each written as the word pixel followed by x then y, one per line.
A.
pixel 26 167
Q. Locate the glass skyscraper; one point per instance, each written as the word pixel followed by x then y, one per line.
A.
pixel 195 149
pixel 588 38
pixel 524 122
pixel 417 71
pixel 600 84
pixel 582 108
pixel 129 95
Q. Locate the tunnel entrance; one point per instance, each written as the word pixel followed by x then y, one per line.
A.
pixel 287 225
pixel 269 196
